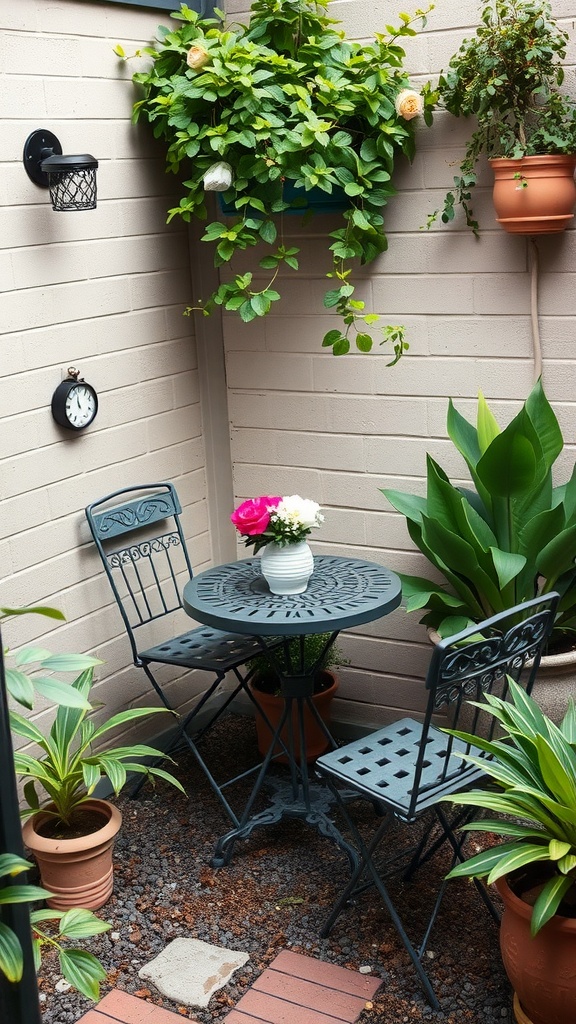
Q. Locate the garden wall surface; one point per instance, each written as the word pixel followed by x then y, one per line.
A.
pixel 105 290
pixel 337 429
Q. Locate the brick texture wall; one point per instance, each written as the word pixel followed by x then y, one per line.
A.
pixel 101 290
pixel 338 429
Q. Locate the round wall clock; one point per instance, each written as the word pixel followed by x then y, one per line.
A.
pixel 74 402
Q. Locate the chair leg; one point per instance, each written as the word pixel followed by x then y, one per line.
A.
pixel 367 865
pixel 183 735
pixel 457 846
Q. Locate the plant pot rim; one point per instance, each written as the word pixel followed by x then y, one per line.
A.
pixel 44 844
pixel 558 660
pixel 332 676
pixel 536 158
pixel 524 910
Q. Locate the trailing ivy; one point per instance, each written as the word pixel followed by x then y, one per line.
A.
pixel 285 101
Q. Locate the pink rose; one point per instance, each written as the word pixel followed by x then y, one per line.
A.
pixel 252 517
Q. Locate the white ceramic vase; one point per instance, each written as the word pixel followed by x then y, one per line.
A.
pixel 287 569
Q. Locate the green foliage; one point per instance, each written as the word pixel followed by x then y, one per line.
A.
pixel 507 77
pixel 510 537
pixel 70 769
pixel 285 100
pixel 264 667
pixel 80 968
pixel 534 766
pixel 21 685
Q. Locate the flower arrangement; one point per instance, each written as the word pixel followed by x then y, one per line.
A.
pixel 284 102
pixel 276 520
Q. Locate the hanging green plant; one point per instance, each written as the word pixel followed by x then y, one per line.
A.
pixel 507 79
pixel 284 104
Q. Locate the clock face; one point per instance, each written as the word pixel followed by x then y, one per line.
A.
pixel 80 406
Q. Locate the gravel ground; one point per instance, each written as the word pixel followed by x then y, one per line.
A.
pixel 274 895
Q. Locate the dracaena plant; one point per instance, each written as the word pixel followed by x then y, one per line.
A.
pixel 73 762
pixel 78 966
pixel 283 101
pixel 507 78
pixel 533 769
pixel 33 667
pixel 507 538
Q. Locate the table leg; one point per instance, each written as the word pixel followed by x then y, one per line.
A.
pixel 294 797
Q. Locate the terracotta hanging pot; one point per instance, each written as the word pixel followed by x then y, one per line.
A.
pixel 273 705
pixel 534 195
pixel 78 871
pixel 540 968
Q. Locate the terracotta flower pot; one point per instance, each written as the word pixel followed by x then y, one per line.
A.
pixel 540 969
pixel 78 871
pixel 534 195
pixel 273 705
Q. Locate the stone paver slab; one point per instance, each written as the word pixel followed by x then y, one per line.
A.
pixel 190 971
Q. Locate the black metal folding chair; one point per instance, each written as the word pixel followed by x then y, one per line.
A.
pixel 406 768
pixel 139 537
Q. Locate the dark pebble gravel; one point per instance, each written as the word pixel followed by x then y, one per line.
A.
pixel 275 895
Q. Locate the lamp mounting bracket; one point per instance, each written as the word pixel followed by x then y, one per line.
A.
pixel 38 146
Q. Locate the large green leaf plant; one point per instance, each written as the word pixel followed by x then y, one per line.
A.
pixel 78 966
pixel 533 771
pixel 284 101
pixel 509 537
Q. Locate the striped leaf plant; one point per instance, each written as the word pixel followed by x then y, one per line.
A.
pixel 73 760
pixel 532 766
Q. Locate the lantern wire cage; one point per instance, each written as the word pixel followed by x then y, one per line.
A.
pixel 71 179
pixel 73 190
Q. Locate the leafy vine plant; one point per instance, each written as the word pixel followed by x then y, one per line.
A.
pixel 507 79
pixel 269 111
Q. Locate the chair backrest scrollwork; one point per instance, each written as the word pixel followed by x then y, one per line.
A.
pixel 139 537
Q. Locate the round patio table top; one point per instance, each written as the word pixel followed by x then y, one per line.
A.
pixel 342 592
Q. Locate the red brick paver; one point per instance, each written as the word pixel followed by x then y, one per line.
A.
pixel 120 1008
pixel 298 989
pixel 295 989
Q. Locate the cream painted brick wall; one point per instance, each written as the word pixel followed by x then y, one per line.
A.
pixel 339 429
pixel 103 290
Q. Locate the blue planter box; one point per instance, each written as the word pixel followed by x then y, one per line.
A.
pixel 315 200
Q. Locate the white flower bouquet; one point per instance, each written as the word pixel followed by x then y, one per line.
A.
pixel 277 520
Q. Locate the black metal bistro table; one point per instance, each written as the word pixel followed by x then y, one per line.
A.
pixel 342 592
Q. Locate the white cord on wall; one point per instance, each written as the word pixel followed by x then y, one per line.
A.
pixel 536 346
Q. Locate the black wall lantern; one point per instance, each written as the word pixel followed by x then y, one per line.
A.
pixel 71 179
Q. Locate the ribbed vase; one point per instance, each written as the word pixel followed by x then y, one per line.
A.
pixel 287 569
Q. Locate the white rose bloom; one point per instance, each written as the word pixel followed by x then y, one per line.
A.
pixel 218 178
pixel 409 104
pixel 300 511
